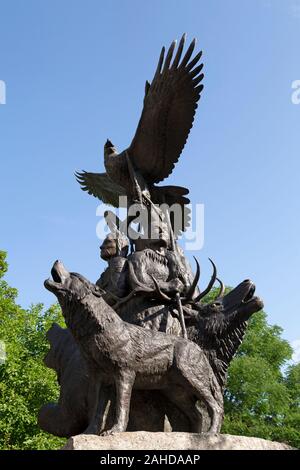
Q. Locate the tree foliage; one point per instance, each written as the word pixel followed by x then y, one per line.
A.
pixel 262 397
pixel 25 383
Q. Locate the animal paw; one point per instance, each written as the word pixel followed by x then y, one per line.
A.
pixel 110 432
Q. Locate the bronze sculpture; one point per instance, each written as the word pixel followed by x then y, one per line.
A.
pixel 170 103
pixel 126 356
pixel 142 332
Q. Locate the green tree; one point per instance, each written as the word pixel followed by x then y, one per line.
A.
pixel 25 383
pixel 262 395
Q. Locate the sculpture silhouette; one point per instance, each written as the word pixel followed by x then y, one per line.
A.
pixel 142 335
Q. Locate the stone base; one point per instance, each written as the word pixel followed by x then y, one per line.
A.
pixel 170 441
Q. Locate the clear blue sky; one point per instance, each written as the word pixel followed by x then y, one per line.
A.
pixel 75 74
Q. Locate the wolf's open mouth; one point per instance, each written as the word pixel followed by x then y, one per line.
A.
pixel 59 275
pixel 55 275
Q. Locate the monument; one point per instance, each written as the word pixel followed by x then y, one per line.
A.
pixel 143 351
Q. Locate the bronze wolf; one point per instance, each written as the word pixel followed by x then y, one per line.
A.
pixel 127 356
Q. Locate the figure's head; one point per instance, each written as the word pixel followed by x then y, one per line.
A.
pixel 115 244
pixel 69 287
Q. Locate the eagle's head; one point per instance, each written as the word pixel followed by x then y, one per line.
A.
pixel 109 149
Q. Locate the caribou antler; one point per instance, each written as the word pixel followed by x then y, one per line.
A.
pixel 222 289
pixel 191 291
pixel 210 285
pixel 140 287
pixel 160 295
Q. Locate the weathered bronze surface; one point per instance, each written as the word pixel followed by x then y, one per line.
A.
pixel 142 350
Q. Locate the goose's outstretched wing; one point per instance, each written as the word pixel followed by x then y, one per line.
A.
pixel 169 108
pixel 101 186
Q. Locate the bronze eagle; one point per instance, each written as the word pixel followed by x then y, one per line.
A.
pixel 170 104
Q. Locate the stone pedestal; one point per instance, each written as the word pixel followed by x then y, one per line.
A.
pixel 170 441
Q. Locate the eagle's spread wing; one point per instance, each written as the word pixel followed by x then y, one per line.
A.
pixel 101 186
pixel 168 114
